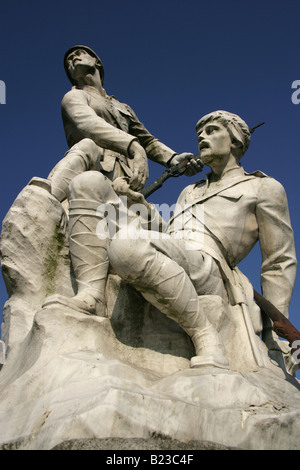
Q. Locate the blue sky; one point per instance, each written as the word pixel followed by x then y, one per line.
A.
pixel 172 62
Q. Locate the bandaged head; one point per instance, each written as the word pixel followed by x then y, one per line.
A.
pixel 237 128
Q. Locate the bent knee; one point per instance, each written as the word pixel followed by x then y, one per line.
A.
pixel 90 151
pixel 128 256
pixel 87 145
pixel 88 184
pixel 121 254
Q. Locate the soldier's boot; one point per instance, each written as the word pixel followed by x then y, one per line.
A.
pixel 90 264
pixel 215 310
pixel 88 240
pixel 167 286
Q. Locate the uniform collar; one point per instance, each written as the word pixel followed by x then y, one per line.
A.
pixel 231 173
pixel 228 174
pixel 92 90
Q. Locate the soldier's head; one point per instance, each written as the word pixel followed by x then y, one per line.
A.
pixel 81 59
pixel 238 131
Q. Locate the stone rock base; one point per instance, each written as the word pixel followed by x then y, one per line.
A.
pixel 72 379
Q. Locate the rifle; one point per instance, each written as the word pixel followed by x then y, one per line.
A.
pixel 173 171
pixel 281 325
pixel 255 127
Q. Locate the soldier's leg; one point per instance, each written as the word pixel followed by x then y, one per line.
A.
pixel 83 156
pixel 159 270
pixel 88 251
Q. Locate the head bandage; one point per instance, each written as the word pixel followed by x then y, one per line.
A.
pixel 237 128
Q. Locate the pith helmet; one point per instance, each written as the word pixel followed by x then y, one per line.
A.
pixel 91 52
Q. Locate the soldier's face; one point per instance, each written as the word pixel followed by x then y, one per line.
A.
pixel 79 61
pixel 214 142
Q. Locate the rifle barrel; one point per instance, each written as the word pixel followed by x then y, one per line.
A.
pixel 151 188
pixel 174 171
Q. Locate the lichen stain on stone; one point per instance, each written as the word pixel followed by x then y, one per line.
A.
pixel 51 262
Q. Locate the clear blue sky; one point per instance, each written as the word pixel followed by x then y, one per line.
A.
pixel 172 62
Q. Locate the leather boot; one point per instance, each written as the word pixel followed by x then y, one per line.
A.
pixel 209 350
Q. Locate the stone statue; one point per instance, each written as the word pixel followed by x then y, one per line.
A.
pixel 176 360
pixel 104 135
pixel 215 224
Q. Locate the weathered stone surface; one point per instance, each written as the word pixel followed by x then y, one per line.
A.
pixel 34 258
pixel 72 379
pixel 153 443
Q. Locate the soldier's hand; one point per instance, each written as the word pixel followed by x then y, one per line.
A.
pixel 193 166
pixel 121 187
pixel 139 166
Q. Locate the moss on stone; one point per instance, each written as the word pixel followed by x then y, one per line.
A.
pixel 55 247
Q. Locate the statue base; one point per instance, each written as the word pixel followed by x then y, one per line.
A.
pixel 72 380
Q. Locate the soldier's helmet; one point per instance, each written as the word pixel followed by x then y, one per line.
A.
pixel 89 51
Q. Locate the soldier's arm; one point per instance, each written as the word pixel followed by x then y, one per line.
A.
pixel 278 269
pixel 77 114
pixel 155 149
